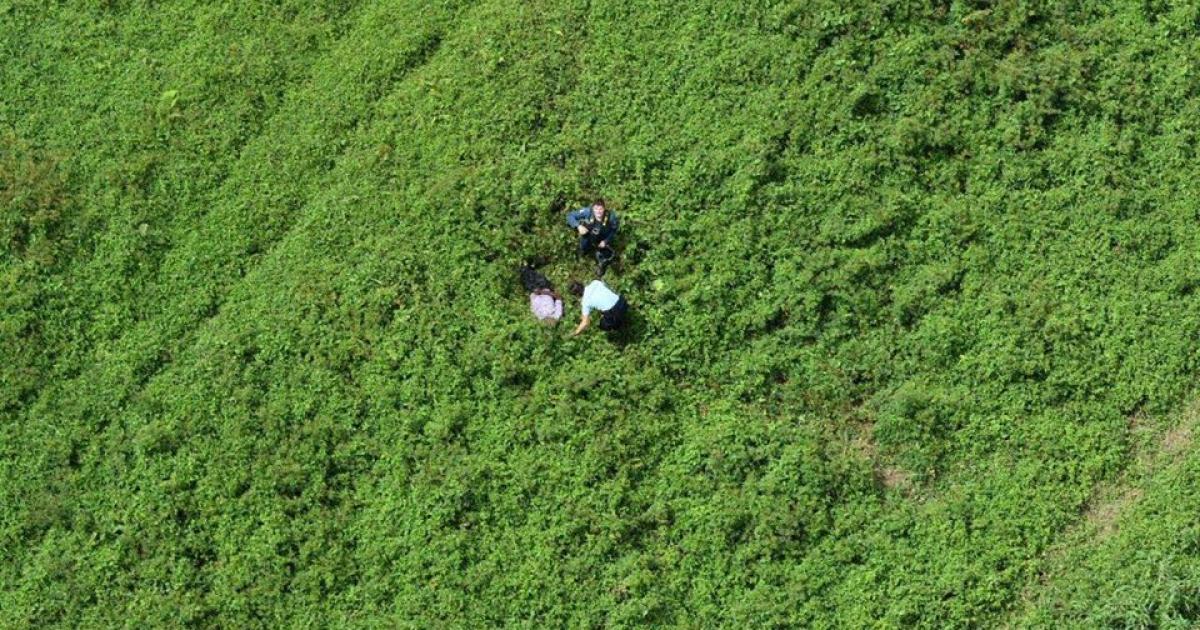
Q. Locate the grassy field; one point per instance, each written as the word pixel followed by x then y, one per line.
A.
pixel 914 293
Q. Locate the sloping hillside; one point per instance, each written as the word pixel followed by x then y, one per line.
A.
pixel 914 289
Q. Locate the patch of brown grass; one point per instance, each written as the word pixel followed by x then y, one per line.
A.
pixel 861 443
pixel 893 477
pixel 1101 516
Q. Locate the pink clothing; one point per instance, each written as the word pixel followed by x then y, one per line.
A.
pixel 545 307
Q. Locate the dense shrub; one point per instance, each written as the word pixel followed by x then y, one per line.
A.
pixel 902 273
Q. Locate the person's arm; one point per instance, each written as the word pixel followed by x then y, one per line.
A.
pixel 558 308
pixel 583 323
pixel 575 216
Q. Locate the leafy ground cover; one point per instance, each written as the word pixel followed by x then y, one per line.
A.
pixel 914 288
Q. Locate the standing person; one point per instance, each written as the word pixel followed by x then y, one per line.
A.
pixel 546 304
pixel 597 227
pixel 614 310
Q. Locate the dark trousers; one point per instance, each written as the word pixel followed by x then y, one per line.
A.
pixel 589 242
pixel 532 280
pixel 616 316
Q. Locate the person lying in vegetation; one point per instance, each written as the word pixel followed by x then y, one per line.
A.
pixel 597 227
pixel 546 304
pixel 614 310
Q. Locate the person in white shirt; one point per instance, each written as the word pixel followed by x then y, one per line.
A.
pixel 598 297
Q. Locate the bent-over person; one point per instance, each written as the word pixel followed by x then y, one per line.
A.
pixel 614 310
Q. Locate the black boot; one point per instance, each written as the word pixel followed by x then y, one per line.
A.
pixel 604 257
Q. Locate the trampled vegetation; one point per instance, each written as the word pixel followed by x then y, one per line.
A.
pixel 915 314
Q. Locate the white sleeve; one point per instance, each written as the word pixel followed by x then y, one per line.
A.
pixel 583 301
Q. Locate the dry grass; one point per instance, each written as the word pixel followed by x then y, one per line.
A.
pixel 1152 450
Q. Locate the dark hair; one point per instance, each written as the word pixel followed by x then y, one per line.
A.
pixel 600 202
pixel 576 289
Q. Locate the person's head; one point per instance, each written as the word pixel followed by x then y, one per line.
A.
pixel 576 289
pixel 598 209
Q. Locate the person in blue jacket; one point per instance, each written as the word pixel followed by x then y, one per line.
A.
pixel 597 228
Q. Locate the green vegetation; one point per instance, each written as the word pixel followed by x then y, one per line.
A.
pixel 914 288
pixel 1132 561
